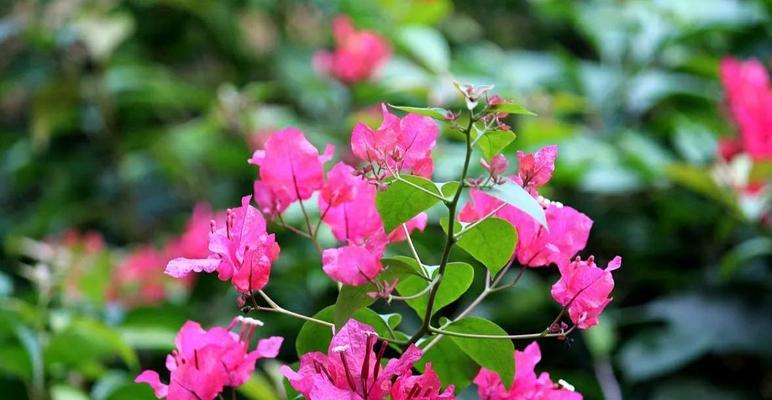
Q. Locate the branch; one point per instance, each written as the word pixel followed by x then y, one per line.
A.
pixel 451 238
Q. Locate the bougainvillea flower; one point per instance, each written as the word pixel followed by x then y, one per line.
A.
pixel 398 144
pixel 206 361
pixel 266 200
pixel 526 385
pixel 426 386
pixel 358 54
pixel 241 251
pixel 352 367
pixel 749 97
pixel 342 186
pixel 496 166
pixel 536 169
pixel 352 264
pixel 566 234
pixel 291 166
pixel 585 288
pixel 347 204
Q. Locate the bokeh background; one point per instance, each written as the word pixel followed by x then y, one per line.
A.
pixel 117 117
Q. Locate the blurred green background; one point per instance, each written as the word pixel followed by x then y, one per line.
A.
pixel 118 116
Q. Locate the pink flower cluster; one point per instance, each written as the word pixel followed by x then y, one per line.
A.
pixel 566 234
pixel 206 361
pixel 749 97
pixel 352 369
pixel 399 144
pixel 358 54
pixel 526 384
pixel 240 251
pixel 291 169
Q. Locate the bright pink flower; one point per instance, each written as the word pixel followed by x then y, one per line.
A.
pixel 351 369
pixel 342 186
pixel 496 166
pixel 398 144
pixel 241 251
pixel 526 384
pixel 535 170
pixel 426 386
pixel 584 289
pixel 567 233
pixel 352 264
pixel 290 167
pixel 749 96
pixel 358 55
pixel 347 204
pixel 206 361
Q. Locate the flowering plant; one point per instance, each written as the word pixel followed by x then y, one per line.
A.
pixel 387 195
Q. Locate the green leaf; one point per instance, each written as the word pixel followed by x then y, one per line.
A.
pixel 493 142
pixel 512 108
pixel 491 242
pixel 452 365
pixel 350 299
pixel 316 337
pixel 458 278
pixel 402 201
pixel 494 354
pixel 516 196
pixel 437 113
pixel 399 266
pixel 449 188
pixel 427 46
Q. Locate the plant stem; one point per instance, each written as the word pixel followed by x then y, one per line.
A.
pixel 452 206
pixel 490 287
pixel 413 250
pixel 501 337
pixel 417 295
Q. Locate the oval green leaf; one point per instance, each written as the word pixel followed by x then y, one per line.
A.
pixel 433 112
pixel 404 199
pixel 497 355
pixel 491 242
pixel 458 278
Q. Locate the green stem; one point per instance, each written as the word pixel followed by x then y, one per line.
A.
pixel 501 337
pixel 452 206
